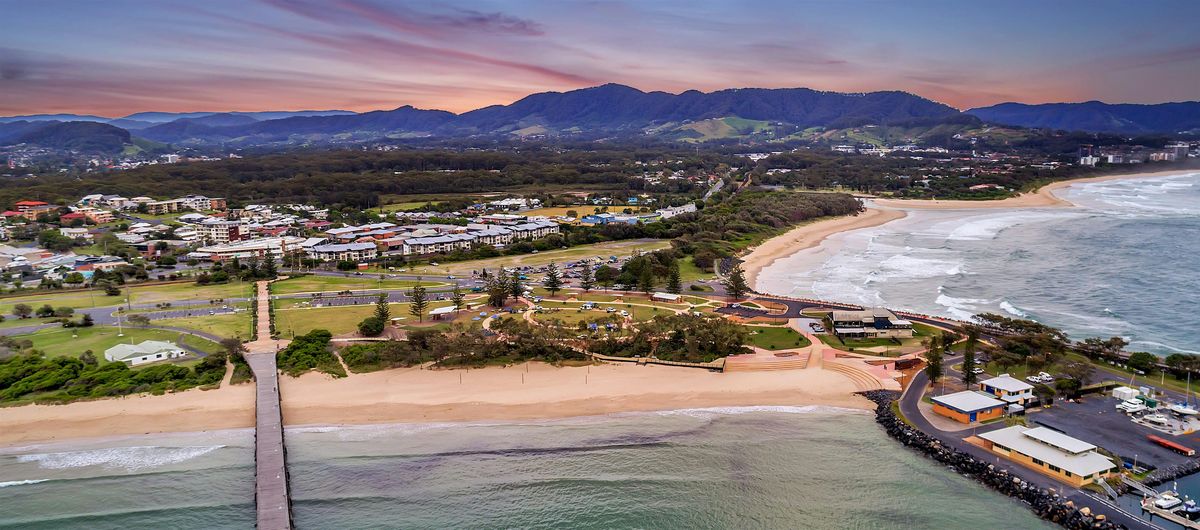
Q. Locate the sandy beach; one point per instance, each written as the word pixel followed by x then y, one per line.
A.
pixel 1043 197
pixel 880 211
pixel 413 395
pixel 810 235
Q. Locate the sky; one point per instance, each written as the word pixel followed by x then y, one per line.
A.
pixel 116 57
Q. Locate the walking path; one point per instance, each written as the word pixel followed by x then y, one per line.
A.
pixel 270 455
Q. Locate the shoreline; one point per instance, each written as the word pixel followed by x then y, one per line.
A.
pixel 1043 197
pixel 880 211
pixel 810 235
pixel 410 395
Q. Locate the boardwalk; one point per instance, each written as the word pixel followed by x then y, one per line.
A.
pixel 270 456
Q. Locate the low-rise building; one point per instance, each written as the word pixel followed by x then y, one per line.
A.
pixel 268 247
pixel 870 323
pixel 968 406
pixel 1008 389
pixel 1050 453
pixel 145 352
pixel 344 252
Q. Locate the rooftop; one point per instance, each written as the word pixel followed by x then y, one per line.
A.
pixel 968 401
pixel 1007 383
pixel 1078 457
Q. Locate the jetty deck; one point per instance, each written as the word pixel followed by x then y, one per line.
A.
pixel 271 495
pixel 270 457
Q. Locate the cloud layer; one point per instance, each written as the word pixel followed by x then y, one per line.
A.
pixel 122 56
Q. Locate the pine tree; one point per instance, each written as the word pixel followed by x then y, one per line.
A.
pixel 735 282
pixel 268 268
pixel 674 283
pixel 587 280
pixel 515 287
pixel 933 358
pixel 382 311
pixel 553 281
pixel 646 279
pixel 458 298
pixel 417 302
pixel 968 364
pixel 497 289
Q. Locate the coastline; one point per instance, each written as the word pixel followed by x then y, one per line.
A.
pixel 881 211
pixel 808 236
pixel 536 391
pixel 1042 198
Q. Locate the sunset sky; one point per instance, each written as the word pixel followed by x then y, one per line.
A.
pixel 116 57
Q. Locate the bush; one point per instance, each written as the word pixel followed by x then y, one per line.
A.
pixel 371 327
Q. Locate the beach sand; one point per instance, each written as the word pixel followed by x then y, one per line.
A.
pixel 810 235
pixel 1043 197
pixel 880 211
pixel 414 395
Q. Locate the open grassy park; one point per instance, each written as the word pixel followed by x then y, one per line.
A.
pixel 339 320
pixel 332 284
pixel 606 249
pixel 776 338
pixel 228 325
pixel 139 294
pixel 74 341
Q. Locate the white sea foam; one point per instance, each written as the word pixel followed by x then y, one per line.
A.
pixel 128 458
pixel 21 482
pixel 1012 309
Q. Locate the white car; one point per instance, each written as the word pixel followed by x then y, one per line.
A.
pixel 977 371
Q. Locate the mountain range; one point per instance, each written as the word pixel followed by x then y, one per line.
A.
pixel 602 111
pixel 1095 116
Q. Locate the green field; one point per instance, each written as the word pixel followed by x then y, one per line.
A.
pixel 776 338
pixel 612 248
pixel 333 284
pixel 689 272
pixel 339 320
pixel 228 325
pixel 143 294
pixel 74 341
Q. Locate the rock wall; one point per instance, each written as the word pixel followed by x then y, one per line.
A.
pixel 1046 504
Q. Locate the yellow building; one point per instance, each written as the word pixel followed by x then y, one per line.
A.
pixel 1050 453
pixel 968 406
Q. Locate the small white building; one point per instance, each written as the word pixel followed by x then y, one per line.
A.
pixel 664 297
pixel 146 352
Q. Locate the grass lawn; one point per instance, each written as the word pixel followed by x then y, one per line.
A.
pixel 606 249
pixel 315 284
pixel 339 320
pixel 146 294
pixel 60 341
pixel 689 272
pixel 406 206
pixel 227 325
pixel 776 338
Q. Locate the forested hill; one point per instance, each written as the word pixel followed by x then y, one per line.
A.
pixel 1095 116
pixel 600 111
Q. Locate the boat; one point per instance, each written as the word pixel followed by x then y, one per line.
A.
pixel 1167 500
pixel 1191 508
pixel 1180 408
pixel 1157 419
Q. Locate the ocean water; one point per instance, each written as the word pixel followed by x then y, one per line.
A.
pixel 752 467
pixel 1124 261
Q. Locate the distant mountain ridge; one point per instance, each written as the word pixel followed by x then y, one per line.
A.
pixel 614 110
pixel 1096 116
pixel 608 108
